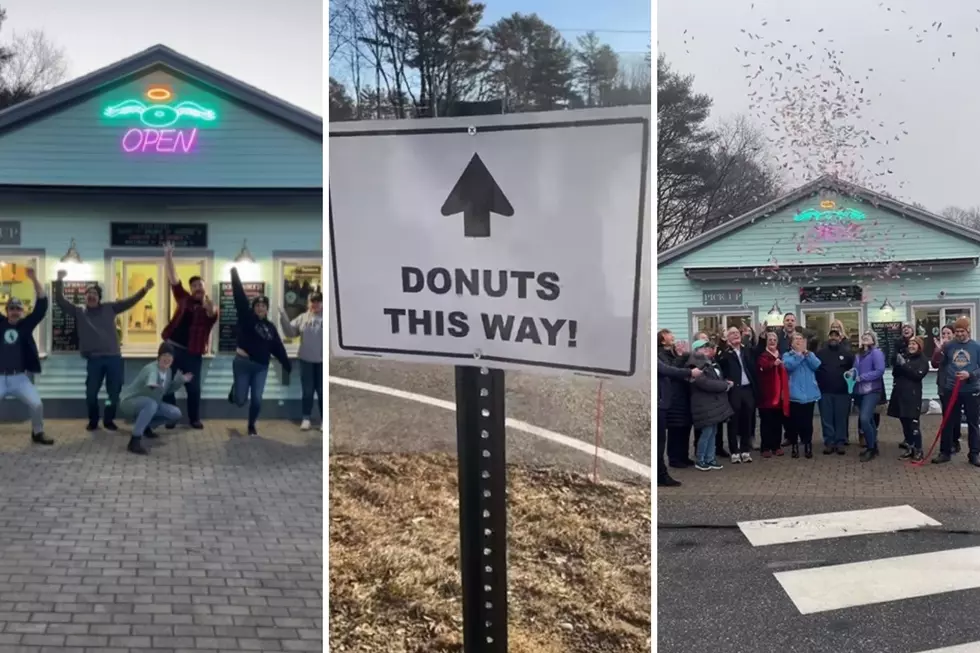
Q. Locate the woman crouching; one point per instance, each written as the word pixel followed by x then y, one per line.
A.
pixel 142 400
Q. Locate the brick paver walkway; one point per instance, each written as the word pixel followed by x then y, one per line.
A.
pixel 213 542
pixel 838 476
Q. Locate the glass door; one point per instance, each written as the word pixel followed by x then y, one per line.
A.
pixel 140 326
pixel 819 323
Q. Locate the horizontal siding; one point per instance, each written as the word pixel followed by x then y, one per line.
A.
pixel 242 148
pixel 778 238
pixel 267 230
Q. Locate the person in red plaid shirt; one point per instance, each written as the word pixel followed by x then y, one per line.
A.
pixel 190 334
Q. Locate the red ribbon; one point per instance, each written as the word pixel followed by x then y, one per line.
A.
pixel 953 398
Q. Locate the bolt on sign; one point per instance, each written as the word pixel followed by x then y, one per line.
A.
pixel 158 123
pixel 501 239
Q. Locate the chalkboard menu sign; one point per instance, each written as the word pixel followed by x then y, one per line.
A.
pixel 64 335
pixel 889 338
pixel 228 316
pixel 155 234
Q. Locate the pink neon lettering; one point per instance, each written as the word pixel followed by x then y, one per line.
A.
pixel 164 141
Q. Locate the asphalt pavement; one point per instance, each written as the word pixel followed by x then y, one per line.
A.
pixel 717 592
pixel 367 422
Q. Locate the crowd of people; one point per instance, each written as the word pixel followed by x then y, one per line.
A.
pixel 149 400
pixel 777 378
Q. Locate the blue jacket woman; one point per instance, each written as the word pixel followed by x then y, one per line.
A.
pixel 804 393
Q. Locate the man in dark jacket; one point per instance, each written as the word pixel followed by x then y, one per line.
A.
pixel 738 365
pixel 19 357
pixel 709 402
pixel 962 354
pixel 835 400
pixel 667 374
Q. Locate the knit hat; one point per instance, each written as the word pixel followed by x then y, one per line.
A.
pixel 261 299
pixel 961 323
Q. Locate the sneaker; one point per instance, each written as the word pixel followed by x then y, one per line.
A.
pixel 736 458
pixel 906 454
pixel 779 452
pixel 197 426
pixel 92 426
pixel 941 458
pixel 829 450
pixel 704 467
pixel 714 465
pixel 746 457
pixel 252 432
pixel 110 425
pixel 667 481
pixel 136 446
pixel 39 438
pixel 917 456
pixel 974 459
pixel 841 451
pixel 904 446
pixel 868 455
pixel 305 425
pixel 767 454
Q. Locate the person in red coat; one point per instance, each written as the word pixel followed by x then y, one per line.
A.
pixel 773 387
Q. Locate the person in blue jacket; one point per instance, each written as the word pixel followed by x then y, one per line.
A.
pixel 804 393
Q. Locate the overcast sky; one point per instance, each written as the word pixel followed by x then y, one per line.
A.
pixel 276 46
pixel 900 53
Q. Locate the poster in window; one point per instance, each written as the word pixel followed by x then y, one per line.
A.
pixel 228 316
pixel 298 284
pixel 64 334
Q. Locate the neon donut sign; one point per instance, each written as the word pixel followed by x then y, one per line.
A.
pixel 159 131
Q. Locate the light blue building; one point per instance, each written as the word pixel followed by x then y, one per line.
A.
pixel 828 250
pixel 96 173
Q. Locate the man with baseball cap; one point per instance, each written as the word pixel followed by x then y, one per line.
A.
pixel 963 354
pixel 19 357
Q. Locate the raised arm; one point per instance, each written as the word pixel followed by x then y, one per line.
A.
pixel 40 302
pixel 291 329
pixel 168 258
pixel 124 305
pixel 59 295
pixel 238 293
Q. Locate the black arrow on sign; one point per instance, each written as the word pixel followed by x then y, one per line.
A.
pixel 476 195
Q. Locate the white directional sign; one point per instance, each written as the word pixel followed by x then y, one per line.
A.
pixel 515 240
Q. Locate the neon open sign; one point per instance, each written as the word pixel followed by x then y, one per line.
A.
pixel 159 131
pixel 828 211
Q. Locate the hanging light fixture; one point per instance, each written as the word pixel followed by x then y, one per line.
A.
pixel 887 306
pixel 72 256
pixel 244 256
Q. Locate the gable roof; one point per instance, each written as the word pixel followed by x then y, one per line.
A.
pixel 826 182
pixel 159 57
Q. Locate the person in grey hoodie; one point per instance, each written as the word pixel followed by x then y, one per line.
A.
pixel 142 400
pixel 98 343
pixel 308 327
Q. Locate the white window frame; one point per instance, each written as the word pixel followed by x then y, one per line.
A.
pixel 164 296
pixel 280 263
pixel 970 304
pixel 35 260
pixel 833 310
pixel 724 314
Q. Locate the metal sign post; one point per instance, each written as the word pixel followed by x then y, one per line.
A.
pixel 480 435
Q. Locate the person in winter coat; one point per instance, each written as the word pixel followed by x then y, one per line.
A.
pixel 709 402
pixel 869 368
pixel 963 356
pixel 804 393
pixel 668 375
pixel 906 399
pixel 835 400
pixel 908 332
pixel 679 408
pixel 738 366
pixel 845 342
pixel 773 386
pixel 939 364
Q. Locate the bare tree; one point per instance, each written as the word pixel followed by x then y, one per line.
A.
pixel 36 66
pixel 967 217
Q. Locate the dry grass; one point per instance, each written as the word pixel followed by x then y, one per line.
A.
pixel 579 559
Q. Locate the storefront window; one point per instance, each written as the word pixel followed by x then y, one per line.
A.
pixel 139 329
pixel 14 283
pixel 929 321
pixel 819 323
pixel 716 323
pixel 299 280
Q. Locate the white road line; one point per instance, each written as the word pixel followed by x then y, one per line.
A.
pixel 516 424
pixel 969 647
pixel 879 581
pixel 764 532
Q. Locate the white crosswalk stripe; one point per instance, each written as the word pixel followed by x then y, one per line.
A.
pixel 969 647
pixel 829 525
